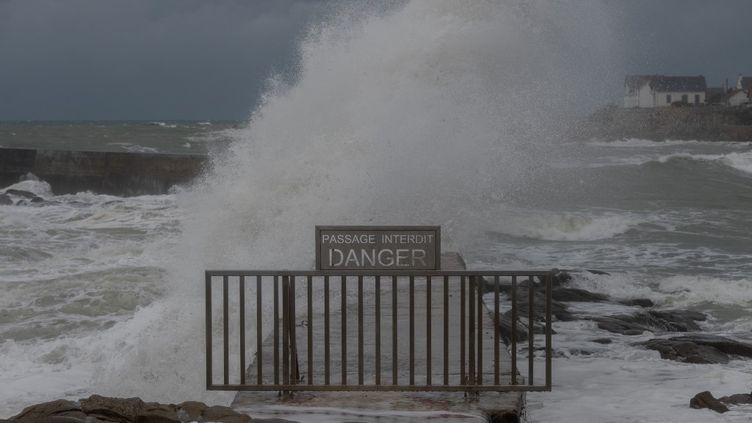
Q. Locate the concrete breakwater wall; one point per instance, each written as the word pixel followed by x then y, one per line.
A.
pixel 114 173
pixel 710 123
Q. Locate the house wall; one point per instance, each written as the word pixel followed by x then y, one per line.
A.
pixel 646 96
pixel 738 99
pixel 639 98
pixel 660 97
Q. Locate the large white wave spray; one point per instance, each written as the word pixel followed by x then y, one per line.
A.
pixel 425 114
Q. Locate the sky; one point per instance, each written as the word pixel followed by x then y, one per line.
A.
pixel 203 59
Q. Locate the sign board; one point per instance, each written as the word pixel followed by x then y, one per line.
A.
pixel 378 247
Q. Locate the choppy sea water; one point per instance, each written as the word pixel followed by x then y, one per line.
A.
pixel 427 113
pixel 84 275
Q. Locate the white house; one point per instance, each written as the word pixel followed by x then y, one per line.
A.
pixel 662 90
pixel 736 98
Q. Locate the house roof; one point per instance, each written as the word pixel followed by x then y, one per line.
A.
pixel 664 83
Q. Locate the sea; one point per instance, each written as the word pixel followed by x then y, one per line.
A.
pixel 426 113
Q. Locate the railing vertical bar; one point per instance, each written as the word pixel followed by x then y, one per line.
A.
pixel 479 282
pixel 412 330
pixel 530 329
pixel 241 288
pixel 343 309
pixel 276 330
pixel 462 330
pixel 310 330
pixel 226 330
pixel 377 308
pixel 209 358
pixel 295 373
pixel 360 330
pixel 497 364
pixel 285 330
pixel 446 330
pixel 514 330
pixel 548 331
pixel 471 331
pixel 395 359
pixel 259 340
pixel 327 358
pixel 428 330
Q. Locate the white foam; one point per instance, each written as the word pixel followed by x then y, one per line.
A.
pixel 691 290
pixel 565 226
pixel 34 186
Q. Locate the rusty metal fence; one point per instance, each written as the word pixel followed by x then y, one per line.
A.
pixel 359 331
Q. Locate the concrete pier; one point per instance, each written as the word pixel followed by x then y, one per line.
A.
pixel 392 406
pixel 115 173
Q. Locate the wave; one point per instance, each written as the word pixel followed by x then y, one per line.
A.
pixel 566 227
pixel 642 142
pixel 741 161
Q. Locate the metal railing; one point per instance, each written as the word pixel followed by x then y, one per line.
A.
pixel 297 320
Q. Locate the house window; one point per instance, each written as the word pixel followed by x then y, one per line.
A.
pixel 697 98
pixel 668 98
pixel 684 98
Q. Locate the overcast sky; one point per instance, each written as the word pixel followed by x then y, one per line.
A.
pixel 201 59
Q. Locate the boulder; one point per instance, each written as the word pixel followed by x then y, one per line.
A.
pixel 640 302
pixel 687 352
pixel 45 410
pixel 575 294
pixel 603 341
pixel 114 409
pixel 5 200
pixel 706 400
pixel 651 320
pixel 737 399
pixel 97 408
pixel 699 348
pixel 723 344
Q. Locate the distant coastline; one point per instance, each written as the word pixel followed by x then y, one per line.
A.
pixel 708 123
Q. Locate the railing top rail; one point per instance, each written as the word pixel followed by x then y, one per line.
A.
pixel 378 272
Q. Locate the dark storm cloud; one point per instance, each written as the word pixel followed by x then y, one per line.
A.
pixel 687 37
pixel 203 59
pixel 181 59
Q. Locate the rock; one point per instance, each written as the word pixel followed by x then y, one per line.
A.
pixel 726 345
pixel 559 278
pixel 115 409
pixel 687 352
pixel 652 320
pixel 558 309
pixel 224 414
pixel 640 302
pixel 37 412
pixel 97 408
pixel 602 340
pixel 21 193
pixel 706 400
pixel 699 348
pixel 737 399
pixel 575 294
pixel 598 272
pixel 5 200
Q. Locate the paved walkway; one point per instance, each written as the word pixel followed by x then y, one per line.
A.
pixel 387 406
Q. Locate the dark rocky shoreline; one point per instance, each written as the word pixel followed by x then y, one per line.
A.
pixel 692 347
pixel 99 409
pixel 707 123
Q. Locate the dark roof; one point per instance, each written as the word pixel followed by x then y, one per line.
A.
pixel 747 82
pixel 663 83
